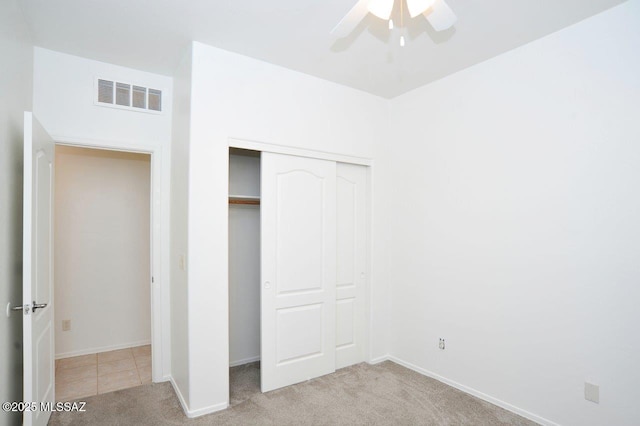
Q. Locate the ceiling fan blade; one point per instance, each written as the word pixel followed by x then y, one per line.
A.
pixel 381 8
pixel 440 16
pixel 351 19
pixel 416 7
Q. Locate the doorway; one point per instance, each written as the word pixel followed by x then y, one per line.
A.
pixel 102 271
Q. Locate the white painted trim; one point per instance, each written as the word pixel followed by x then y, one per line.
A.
pixel 208 410
pixel 176 389
pixel 474 392
pixel 160 248
pixel 102 349
pixel 104 144
pixel 196 413
pixel 244 361
pixel 299 152
pixel 379 359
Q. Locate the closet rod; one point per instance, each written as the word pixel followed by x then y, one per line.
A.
pixel 245 202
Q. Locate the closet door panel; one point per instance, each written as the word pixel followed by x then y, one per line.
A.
pixel 300 220
pixel 298 298
pixel 351 191
pixel 345 325
pixel 346 224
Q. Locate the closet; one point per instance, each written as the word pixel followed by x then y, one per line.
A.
pixel 244 257
pixel 297 265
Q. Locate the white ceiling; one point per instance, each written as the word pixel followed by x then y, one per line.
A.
pixel 152 35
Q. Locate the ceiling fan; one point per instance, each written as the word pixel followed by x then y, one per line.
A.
pixel 437 12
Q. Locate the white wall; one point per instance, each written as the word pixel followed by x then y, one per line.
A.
pixel 517 185
pixel 236 96
pixel 102 247
pixel 179 210
pixel 244 262
pixel 16 69
pixel 244 173
pixel 63 102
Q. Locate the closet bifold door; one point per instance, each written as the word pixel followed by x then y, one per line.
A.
pixel 298 269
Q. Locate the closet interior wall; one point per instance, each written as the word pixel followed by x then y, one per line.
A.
pixel 244 257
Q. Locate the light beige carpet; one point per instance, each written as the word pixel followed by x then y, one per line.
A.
pixel 382 394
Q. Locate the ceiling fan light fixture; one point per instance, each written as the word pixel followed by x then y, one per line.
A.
pixel 416 7
pixel 437 12
pixel 381 8
pixel 441 17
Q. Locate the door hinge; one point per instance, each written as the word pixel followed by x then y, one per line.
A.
pixel 152 280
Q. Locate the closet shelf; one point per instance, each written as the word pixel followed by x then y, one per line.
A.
pixel 251 200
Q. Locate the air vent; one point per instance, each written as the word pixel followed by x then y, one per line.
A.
pixel 155 100
pixel 128 96
pixel 105 91
pixel 139 97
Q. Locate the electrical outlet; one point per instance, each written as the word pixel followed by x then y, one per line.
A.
pixel 66 325
pixel 441 344
pixel 592 392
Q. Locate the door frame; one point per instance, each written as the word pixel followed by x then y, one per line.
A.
pixel 299 152
pixel 339 158
pixel 159 246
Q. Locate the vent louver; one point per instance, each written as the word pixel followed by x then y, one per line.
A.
pixel 105 91
pixel 123 94
pixel 139 97
pixel 128 96
pixel 155 100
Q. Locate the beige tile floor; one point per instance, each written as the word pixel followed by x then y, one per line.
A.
pixel 88 375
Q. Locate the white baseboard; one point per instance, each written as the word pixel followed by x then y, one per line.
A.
pixel 463 388
pixel 244 361
pixel 195 413
pixel 207 410
pixel 379 359
pixel 176 389
pixel 102 349
pixel 474 392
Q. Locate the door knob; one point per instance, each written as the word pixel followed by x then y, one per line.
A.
pixel 14 309
pixel 38 306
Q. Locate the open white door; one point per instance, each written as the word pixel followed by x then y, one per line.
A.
pixel 298 297
pixel 37 288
